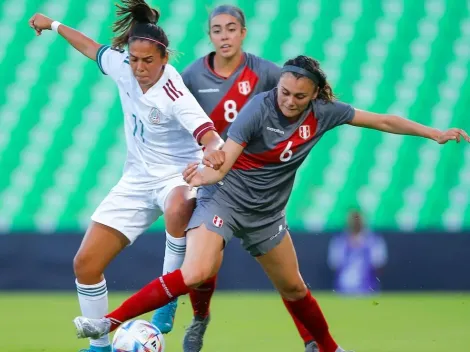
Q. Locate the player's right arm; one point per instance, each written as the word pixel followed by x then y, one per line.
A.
pixel 78 40
pixel 241 132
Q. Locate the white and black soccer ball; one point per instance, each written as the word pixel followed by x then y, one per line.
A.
pixel 138 336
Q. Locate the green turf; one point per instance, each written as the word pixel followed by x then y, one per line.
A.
pixel 258 322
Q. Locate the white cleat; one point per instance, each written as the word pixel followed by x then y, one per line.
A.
pixel 92 328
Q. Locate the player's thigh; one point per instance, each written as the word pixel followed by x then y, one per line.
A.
pixel 202 259
pixel 209 229
pixel 117 222
pixel 99 247
pixel 282 268
pixel 131 212
pixel 177 202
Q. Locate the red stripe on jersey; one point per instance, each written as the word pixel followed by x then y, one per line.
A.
pixel 173 86
pixel 168 93
pixel 237 96
pixel 202 130
pixel 303 134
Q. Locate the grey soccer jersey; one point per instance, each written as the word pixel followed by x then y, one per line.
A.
pixel 261 179
pixel 223 98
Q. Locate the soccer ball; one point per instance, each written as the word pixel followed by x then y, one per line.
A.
pixel 138 336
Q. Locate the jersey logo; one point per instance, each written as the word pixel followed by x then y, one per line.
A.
pixel 304 132
pixel 244 87
pixel 171 90
pixel 217 221
pixel 154 116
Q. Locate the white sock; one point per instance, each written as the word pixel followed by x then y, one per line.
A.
pixel 174 253
pixel 94 304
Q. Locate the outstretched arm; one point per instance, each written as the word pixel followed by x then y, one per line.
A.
pixel 399 125
pixel 78 40
pixel 196 177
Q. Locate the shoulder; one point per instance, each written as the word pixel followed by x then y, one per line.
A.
pixel 194 69
pixel 111 58
pixel 260 107
pixel 322 107
pixel 261 64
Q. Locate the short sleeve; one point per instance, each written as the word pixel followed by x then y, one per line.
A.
pixel 188 112
pixel 333 113
pixel 246 125
pixel 111 61
pixel 273 74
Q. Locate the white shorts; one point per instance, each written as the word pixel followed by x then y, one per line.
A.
pixel 132 211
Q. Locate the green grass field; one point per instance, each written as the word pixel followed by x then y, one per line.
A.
pixel 259 322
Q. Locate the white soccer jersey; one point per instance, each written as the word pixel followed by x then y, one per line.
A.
pixel 162 126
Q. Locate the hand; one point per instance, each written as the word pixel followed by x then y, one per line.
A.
pixel 214 159
pixel 453 134
pixel 192 175
pixel 39 22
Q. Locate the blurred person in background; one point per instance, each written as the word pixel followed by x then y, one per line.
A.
pixel 357 256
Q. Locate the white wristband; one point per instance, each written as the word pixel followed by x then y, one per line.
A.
pixel 55 26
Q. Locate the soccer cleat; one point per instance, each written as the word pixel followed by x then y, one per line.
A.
pixel 194 336
pixel 312 347
pixel 164 317
pixel 97 349
pixel 92 328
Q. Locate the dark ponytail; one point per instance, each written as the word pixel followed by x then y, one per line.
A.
pixel 137 18
pixel 313 66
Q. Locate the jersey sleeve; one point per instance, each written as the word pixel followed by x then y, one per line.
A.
pixel 188 112
pixel 111 60
pixel 334 113
pixel 273 73
pixel 246 125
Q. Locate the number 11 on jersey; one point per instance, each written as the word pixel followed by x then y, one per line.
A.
pixel 136 128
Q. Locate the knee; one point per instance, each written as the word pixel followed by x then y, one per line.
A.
pixel 195 276
pixel 85 269
pixel 177 216
pixel 293 291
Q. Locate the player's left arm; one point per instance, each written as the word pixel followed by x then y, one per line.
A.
pixel 195 176
pixel 399 125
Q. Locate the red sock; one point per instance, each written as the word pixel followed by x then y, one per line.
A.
pixel 304 334
pixel 308 312
pixel 201 297
pixel 155 295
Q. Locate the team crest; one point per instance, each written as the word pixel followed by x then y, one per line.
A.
pixel 304 132
pixel 244 87
pixel 154 116
pixel 217 221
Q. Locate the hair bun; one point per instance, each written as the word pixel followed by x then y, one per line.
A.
pixel 144 14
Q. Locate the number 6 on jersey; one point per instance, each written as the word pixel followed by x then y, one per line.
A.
pixel 286 153
pixel 230 110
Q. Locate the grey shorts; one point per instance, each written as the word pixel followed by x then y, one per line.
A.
pixel 258 234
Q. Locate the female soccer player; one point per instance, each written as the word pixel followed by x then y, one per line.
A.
pixel 222 82
pixel 246 197
pixel 164 126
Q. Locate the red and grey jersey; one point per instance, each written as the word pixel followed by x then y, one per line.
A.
pixel 262 178
pixel 223 98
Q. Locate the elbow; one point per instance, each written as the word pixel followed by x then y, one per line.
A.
pixel 388 123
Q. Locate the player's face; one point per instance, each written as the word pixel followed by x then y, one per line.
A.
pixel 227 35
pixel 146 62
pixel 294 94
